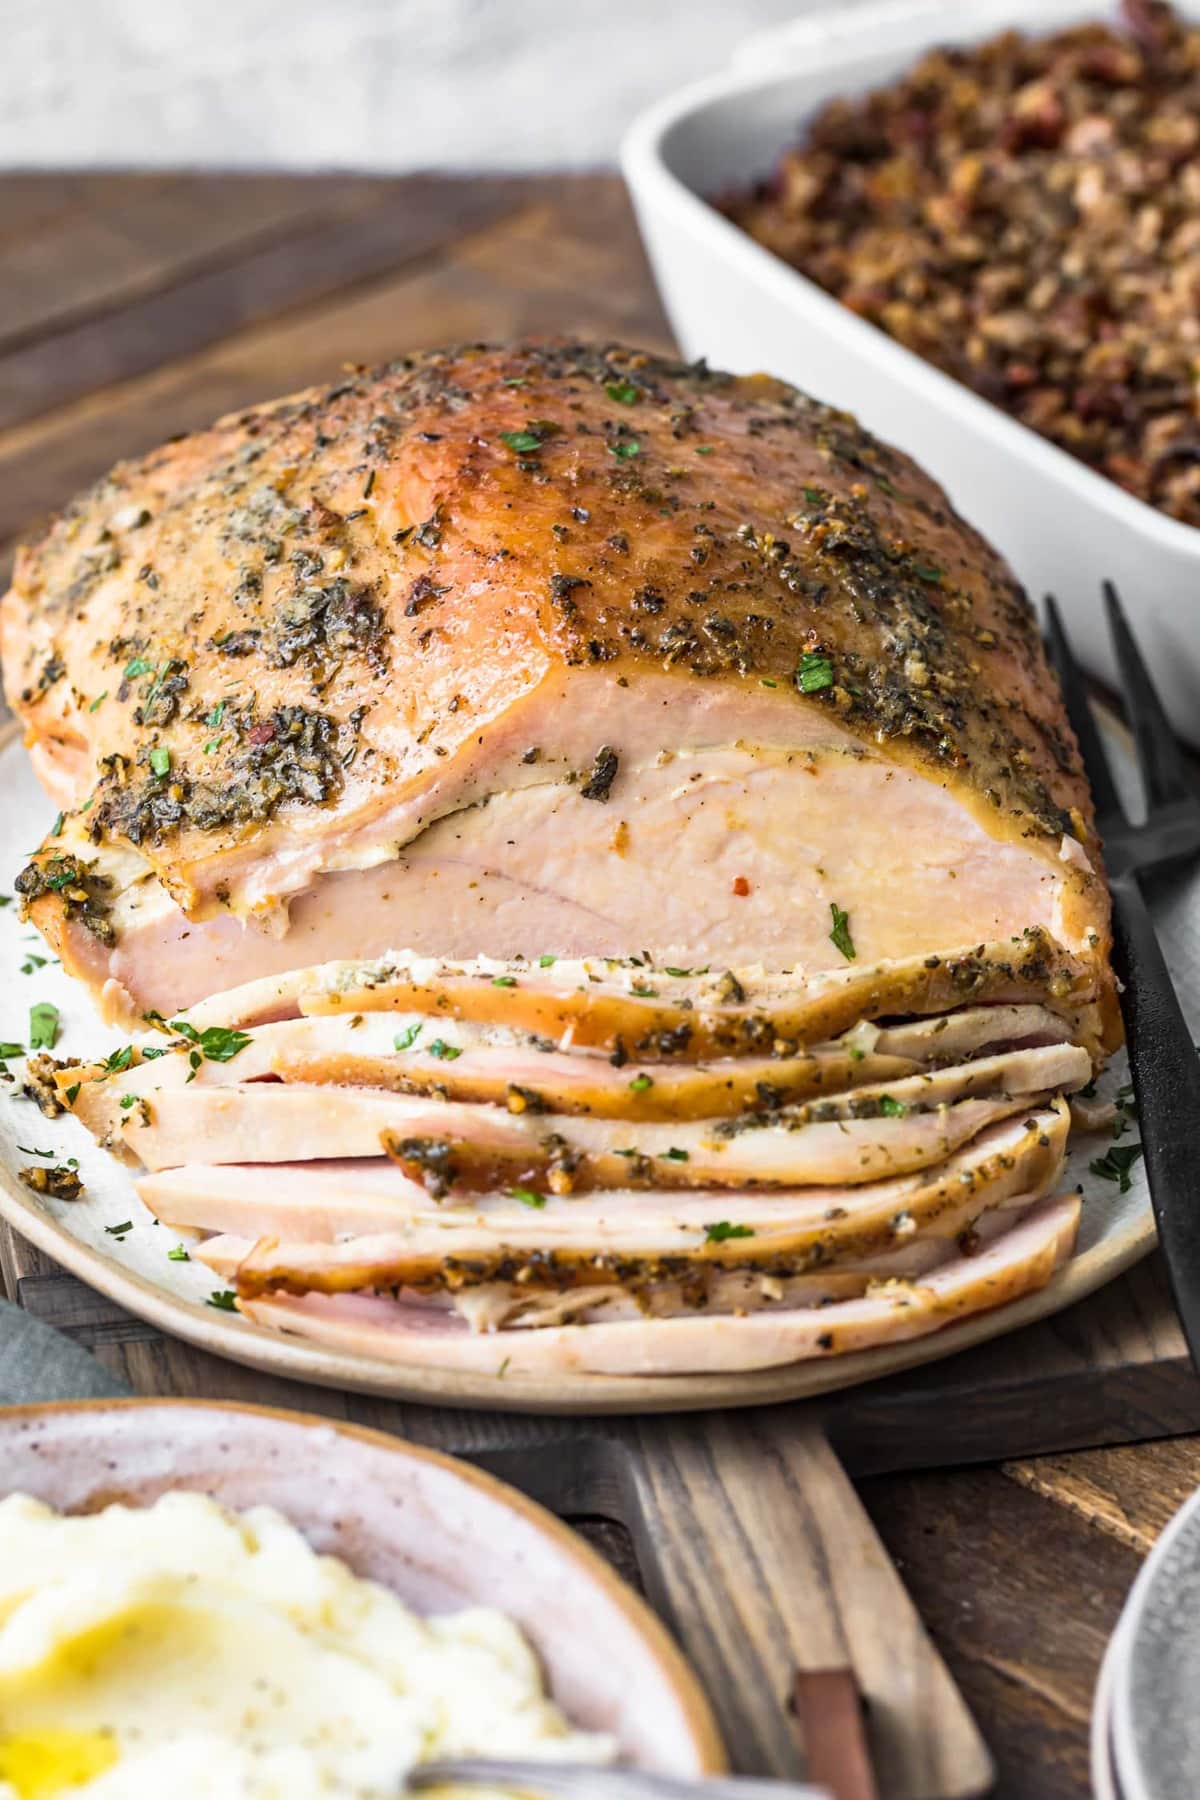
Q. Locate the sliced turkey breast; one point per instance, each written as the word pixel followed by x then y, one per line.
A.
pixel 499 1305
pixel 657 1013
pixel 373 1326
pixel 528 1074
pixel 319 1203
pixel 872 1133
pixel 544 865
pixel 634 1244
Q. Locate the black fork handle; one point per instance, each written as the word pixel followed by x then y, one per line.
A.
pixel 1166 1086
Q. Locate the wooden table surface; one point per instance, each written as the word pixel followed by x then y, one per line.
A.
pixel 133 307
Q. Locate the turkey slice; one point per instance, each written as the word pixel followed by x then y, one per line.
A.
pixel 1018 1263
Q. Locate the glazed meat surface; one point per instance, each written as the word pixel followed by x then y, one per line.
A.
pixel 555 650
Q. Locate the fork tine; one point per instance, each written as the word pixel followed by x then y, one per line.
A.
pixel 1164 774
pixel 1074 687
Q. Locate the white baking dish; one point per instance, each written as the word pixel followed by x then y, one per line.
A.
pixel 1063 527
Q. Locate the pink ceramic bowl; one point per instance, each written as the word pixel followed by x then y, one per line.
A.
pixel 438 1532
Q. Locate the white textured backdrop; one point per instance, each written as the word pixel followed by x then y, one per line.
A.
pixel 365 84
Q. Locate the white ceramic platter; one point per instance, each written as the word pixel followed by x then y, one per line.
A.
pixel 133 1266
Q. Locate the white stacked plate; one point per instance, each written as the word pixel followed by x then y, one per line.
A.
pixel 1146 1719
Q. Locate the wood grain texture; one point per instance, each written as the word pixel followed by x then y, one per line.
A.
pixel 766 1564
pixel 322 247
pixel 132 307
pixel 1021 1597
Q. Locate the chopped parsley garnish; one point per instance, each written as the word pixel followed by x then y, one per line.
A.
pixel 640 1083
pixel 151 1053
pixel 216 715
pixel 160 762
pixel 527 1197
pixel 443 1051
pixel 56 828
pixel 927 572
pixel 675 1156
pixel 119 1230
pixel 891 1109
pixel 814 496
pixel 623 392
pixel 224 1299
pixel 644 993
pixel 547 962
pixel 504 981
pixel 404 1040
pixel 626 448
pixel 840 935
pixel 96 702
pixel 525 443
pixel 1117 1165
pixel 765 683
pixel 704 449
pixel 178 1254
pixel 218 1042
pixel 12 1050
pixel 722 1230
pixel 119 1060
pixel 43 1026
pixel 29 1150
pixel 65 873
pixel 73 1092
pixel 33 962
pixel 139 666
pixel 815 672
pixel 128 1100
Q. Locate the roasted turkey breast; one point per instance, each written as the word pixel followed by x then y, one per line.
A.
pixel 614 847
pixel 549 650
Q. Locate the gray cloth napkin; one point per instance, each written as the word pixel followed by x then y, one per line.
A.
pixel 39 1363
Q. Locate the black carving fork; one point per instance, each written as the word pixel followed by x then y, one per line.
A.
pixel 1162 1056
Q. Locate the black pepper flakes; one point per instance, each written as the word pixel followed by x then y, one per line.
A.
pixel 598 785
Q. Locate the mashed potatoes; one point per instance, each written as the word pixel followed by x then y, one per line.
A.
pixel 187 1651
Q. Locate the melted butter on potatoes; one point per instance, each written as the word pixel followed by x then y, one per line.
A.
pixel 183 1649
